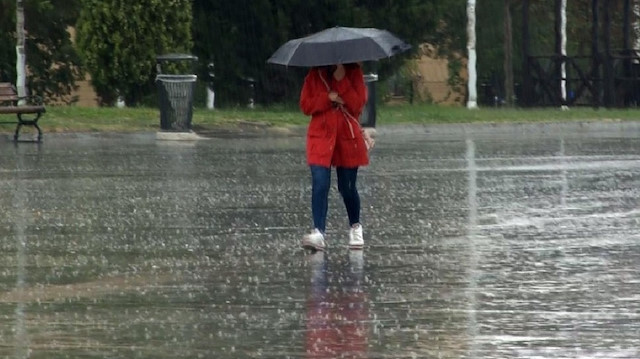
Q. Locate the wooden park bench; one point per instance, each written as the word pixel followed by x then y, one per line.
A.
pixel 9 104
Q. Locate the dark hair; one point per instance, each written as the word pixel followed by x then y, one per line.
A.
pixel 331 68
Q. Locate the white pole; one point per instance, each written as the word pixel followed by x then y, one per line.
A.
pixel 211 94
pixel 563 52
pixel 211 99
pixel 636 27
pixel 21 59
pixel 472 102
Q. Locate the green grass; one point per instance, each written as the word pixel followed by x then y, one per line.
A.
pixel 83 119
pixel 431 114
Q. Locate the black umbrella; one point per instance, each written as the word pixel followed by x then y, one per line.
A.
pixel 339 45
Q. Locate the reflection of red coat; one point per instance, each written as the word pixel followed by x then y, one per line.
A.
pixel 336 326
pixel 333 136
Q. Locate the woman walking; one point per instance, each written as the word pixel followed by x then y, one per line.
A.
pixel 334 97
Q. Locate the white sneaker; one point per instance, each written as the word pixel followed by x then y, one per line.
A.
pixel 356 240
pixel 314 240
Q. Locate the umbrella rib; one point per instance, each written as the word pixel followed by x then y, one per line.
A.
pixel 335 48
pixel 295 47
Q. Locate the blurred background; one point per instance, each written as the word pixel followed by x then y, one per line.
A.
pixel 103 52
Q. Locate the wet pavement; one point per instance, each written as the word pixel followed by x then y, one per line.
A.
pixel 480 243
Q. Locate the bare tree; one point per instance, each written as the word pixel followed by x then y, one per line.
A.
pixel 508 54
pixel 21 59
pixel 472 101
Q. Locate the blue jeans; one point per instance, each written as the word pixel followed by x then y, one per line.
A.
pixel 320 185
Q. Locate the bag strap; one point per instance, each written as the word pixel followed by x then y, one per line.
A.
pixel 347 115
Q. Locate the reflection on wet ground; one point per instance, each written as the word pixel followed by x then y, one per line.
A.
pixel 492 246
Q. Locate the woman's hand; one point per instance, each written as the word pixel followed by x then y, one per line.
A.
pixel 368 133
pixel 338 74
pixel 334 97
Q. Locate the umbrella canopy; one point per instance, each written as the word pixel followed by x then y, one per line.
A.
pixel 339 45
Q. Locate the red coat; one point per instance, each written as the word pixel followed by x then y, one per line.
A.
pixel 334 137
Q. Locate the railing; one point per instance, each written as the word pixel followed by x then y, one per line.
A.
pixel 588 80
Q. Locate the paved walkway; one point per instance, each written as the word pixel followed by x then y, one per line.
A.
pixel 482 242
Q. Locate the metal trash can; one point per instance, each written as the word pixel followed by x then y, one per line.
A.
pixel 176 94
pixel 368 115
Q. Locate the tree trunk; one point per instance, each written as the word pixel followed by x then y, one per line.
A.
pixel 472 101
pixel 526 95
pixel 508 55
pixel 636 26
pixel 21 56
pixel 609 85
pixel 596 59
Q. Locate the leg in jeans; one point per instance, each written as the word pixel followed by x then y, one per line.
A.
pixel 320 183
pixel 347 186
